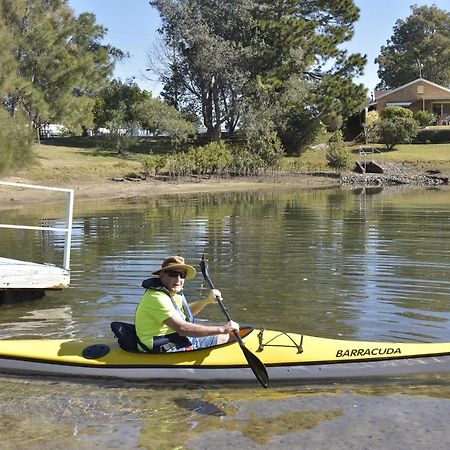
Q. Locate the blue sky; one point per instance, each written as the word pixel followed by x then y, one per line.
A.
pixel 132 26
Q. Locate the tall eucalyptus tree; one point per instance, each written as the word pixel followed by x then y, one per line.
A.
pixel 224 53
pixel 209 57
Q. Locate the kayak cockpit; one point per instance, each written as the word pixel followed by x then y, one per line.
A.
pixel 128 340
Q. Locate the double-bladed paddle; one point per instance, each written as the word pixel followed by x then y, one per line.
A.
pixel 255 364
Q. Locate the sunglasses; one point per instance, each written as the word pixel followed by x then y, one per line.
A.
pixel 175 274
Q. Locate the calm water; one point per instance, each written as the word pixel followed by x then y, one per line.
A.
pixel 336 263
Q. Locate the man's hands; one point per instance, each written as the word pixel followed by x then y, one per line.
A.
pixel 230 326
pixel 212 296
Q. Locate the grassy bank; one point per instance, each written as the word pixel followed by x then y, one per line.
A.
pixel 62 160
pixel 420 157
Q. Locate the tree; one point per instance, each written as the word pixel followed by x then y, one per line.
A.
pixel 222 52
pixel 206 58
pixel 15 148
pixel 300 58
pixel 419 47
pixel 8 64
pixel 60 62
pixel 123 108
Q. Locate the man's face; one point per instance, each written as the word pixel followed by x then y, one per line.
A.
pixel 173 280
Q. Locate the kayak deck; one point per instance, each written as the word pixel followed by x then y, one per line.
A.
pixel 287 356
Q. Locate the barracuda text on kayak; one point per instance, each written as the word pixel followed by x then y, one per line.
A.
pixel 368 352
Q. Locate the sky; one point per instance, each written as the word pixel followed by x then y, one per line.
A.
pixel 132 26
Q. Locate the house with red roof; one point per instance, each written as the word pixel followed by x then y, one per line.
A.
pixel 417 95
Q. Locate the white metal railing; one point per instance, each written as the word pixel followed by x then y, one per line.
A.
pixel 371 151
pixel 69 215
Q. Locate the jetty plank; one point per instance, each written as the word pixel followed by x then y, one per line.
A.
pixel 15 274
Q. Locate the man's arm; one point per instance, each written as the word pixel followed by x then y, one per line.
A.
pixel 184 328
pixel 198 306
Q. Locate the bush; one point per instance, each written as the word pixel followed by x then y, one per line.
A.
pixel 425 118
pixel 211 159
pixel 338 155
pixel 433 136
pixel 246 163
pixel 217 158
pixel 267 147
pixel 298 129
pixel 371 117
pixel 391 112
pixel 390 132
pixel 153 164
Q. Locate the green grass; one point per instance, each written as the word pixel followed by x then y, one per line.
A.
pixel 63 159
pixel 422 156
pixel 65 163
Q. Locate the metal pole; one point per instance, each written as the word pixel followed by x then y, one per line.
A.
pixel 68 234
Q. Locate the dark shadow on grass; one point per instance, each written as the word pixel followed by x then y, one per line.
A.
pixel 145 145
pixel 156 145
pixel 72 141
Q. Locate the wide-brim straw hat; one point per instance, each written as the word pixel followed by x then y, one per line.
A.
pixel 176 263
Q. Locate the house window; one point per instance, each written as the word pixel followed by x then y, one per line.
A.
pixel 442 112
pixel 420 89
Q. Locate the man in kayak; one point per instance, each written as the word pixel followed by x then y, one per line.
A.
pixel 164 320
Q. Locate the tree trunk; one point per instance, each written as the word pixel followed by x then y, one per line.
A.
pixel 218 123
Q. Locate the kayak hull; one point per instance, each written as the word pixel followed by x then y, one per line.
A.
pixel 287 357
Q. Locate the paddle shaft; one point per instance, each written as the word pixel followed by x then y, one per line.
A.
pixel 223 308
pixel 254 363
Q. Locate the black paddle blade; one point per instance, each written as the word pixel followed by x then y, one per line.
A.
pixel 254 363
pixel 258 368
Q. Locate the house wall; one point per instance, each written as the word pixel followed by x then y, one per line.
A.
pixel 410 94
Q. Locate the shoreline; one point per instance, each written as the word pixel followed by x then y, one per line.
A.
pixel 98 189
pixel 107 189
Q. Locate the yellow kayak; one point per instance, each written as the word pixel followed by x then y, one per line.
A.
pixel 287 356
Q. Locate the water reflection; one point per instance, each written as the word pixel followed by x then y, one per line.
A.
pixel 357 264
pixel 335 263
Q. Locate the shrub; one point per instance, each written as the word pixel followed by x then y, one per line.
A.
pixel 246 163
pixel 260 137
pixel 267 147
pixel 399 130
pixel 338 155
pixel 153 164
pixel 391 112
pixel 433 136
pixel 211 159
pixel 425 118
pixel 371 117
pixel 180 164
pixel 298 130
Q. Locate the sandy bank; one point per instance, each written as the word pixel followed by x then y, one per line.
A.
pixel 106 189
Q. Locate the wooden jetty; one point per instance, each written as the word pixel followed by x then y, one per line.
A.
pixel 25 276
pixel 15 274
